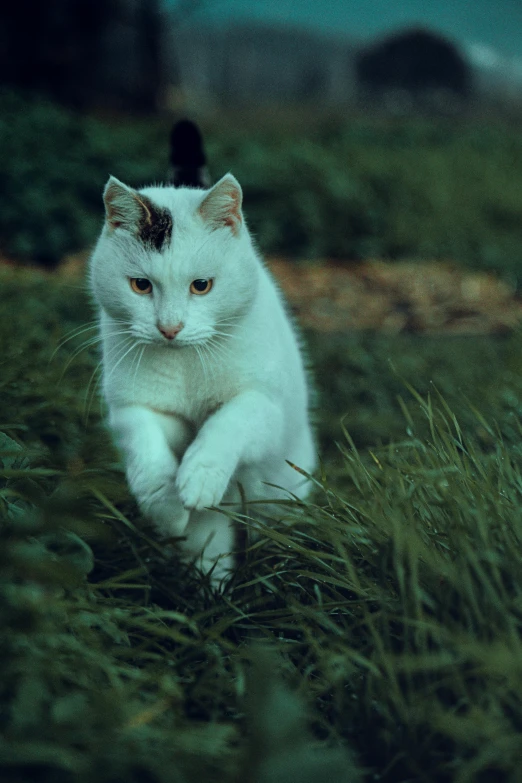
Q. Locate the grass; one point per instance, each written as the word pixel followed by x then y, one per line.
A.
pixel 372 631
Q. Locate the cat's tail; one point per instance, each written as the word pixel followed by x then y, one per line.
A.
pixel 188 164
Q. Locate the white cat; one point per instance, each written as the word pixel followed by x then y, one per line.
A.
pixel 202 371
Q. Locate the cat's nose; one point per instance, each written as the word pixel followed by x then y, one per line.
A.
pixel 170 331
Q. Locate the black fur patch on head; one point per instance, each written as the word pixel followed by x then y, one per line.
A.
pixel 155 226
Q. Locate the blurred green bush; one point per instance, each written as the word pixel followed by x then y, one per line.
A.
pixel 363 186
pixel 390 188
pixel 53 165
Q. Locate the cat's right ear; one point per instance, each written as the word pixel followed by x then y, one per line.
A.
pixel 124 208
pixel 221 207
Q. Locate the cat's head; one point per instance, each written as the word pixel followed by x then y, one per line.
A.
pixel 175 266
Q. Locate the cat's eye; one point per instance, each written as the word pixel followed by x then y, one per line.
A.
pixel 200 287
pixel 140 285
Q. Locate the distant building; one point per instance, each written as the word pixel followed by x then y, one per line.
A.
pixel 139 55
pixel 255 63
pixel 251 64
pixel 418 63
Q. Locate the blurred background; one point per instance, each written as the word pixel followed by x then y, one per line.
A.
pixel 359 130
pixel 379 147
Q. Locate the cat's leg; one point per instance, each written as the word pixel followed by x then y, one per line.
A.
pixel 149 442
pixel 247 429
pixel 208 543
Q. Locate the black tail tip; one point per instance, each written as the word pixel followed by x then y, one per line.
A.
pixel 186 145
pixel 187 157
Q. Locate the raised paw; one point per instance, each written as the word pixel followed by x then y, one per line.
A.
pixel 201 484
pixel 164 507
pixel 170 520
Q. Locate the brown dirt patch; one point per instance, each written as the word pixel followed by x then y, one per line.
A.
pixel 428 297
pixel 422 297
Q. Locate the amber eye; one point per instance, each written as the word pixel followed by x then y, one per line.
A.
pixel 140 285
pixel 200 287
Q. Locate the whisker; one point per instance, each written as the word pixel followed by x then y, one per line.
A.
pixel 217 357
pixel 200 350
pixel 77 352
pixel 225 334
pixel 214 354
pixel 88 344
pixel 85 327
pixel 75 333
pixel 126 352
pixel 232 319
pixel 91 388
pixel 140 357
pixel 94 387
pixel 221 344
pixel 216 351
pixel 96 338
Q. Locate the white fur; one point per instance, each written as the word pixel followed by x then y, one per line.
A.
pixel 226 401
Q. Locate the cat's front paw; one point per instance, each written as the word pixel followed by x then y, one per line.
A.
pixel 159 500
pixel 201 482
pixel 170 518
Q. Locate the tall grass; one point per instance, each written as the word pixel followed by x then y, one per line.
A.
pixel 390 601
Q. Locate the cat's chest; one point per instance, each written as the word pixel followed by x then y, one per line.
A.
pixel 177 381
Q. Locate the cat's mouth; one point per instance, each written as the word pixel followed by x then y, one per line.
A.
pixel 169 345
pixel 179 341
pixel 182 342
pixel 175 343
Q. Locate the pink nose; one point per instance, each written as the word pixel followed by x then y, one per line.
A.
pixel 170 331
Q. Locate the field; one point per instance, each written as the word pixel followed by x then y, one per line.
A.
pixel 372 633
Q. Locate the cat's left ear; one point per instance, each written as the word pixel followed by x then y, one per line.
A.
pixel 124 208
pixel 221 207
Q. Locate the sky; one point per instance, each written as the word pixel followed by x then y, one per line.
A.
pixel 491 24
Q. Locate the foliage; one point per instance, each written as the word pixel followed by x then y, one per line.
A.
pixel 347 187
pixel 390 603
pixel 54 165
pixel 389 188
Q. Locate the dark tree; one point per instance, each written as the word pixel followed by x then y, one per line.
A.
pixel 417 61
pixel 150 69
pixel 52 46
